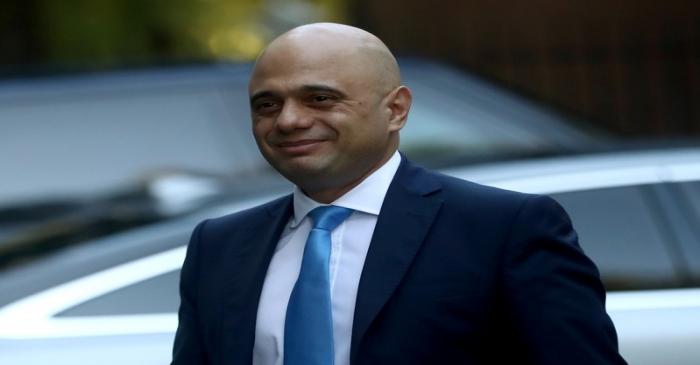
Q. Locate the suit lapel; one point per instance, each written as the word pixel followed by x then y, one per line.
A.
pixel 249 263
pixel 406 216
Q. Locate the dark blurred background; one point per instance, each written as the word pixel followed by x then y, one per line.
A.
pixel 628 66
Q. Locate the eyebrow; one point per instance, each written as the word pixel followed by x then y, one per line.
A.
pixel 305 88
pixel 324 88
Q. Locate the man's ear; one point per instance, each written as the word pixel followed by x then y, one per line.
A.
pixel 399 103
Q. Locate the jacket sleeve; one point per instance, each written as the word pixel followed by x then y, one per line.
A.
pixel 188 348
pixel 553 291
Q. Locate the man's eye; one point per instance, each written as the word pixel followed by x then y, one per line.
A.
pixel 265 105
pixel 321 98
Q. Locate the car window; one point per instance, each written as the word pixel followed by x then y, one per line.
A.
pixel 72 155
pixel 618 228
pixel 691 191
pixel 456 116
pixel 155 295
pixel 689 201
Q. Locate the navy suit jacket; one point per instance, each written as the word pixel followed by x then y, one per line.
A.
pixel 456 273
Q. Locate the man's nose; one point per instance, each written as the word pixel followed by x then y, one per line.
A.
pixel 293 116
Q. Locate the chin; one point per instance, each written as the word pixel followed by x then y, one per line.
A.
pixel 304 171
pixel 310 176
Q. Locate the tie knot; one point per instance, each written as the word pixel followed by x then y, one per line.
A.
pixel 328 217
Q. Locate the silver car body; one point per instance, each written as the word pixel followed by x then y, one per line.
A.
pixel 654 326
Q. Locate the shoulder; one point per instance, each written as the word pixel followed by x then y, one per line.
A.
pixel 245 218
pixel 458 190
pixel 467 197
pixel 484 195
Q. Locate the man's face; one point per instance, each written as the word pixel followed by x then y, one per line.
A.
pixel 319 118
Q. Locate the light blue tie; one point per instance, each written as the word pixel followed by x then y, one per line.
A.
pixel 308 327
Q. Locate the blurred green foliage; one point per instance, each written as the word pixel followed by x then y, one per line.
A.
pixel 97 34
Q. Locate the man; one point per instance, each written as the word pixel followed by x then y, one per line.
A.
pixel 416 267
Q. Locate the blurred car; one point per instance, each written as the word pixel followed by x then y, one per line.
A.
pixel 85 156
pixel 32 229
pixel 114 300
pixel 87 134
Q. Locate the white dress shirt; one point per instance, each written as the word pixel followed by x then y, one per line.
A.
pixel 350 242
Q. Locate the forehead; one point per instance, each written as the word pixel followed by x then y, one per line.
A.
pixel 292 67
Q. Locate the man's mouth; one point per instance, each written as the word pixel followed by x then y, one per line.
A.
pixel 298 147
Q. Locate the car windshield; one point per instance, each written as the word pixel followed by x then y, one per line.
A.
pixel 458 118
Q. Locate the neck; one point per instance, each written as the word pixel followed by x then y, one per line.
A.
pixel 331 194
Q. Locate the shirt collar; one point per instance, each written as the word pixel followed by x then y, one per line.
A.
pixel 366 197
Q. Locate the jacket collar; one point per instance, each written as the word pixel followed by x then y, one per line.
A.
pixel 406 216
pixel 246 274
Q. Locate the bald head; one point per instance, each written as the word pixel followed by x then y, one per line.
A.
pixel 327 105
pixel 354 50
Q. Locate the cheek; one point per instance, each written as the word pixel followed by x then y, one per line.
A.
pixel 369 133
pixel 261 128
